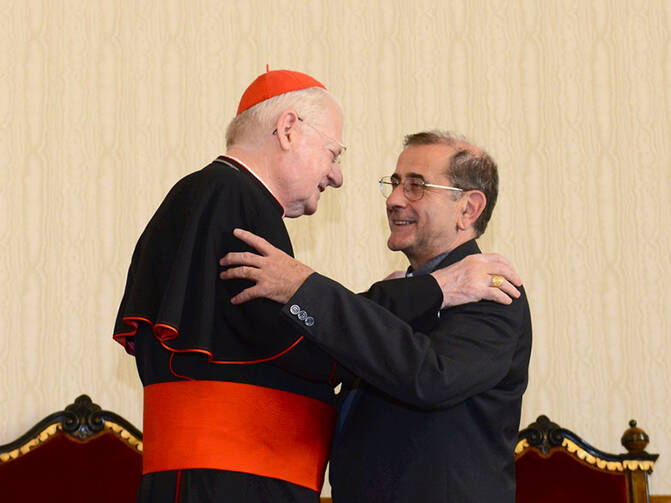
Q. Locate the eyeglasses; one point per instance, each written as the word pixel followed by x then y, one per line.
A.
pixel 336 156
pixel 413 188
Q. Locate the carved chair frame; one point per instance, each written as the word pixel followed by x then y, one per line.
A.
pixel 545 435
pixel 80 421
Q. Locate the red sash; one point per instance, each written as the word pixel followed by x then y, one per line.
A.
pixel 236 427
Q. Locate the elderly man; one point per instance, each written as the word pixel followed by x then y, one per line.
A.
pixel 436 416
pixel 237 405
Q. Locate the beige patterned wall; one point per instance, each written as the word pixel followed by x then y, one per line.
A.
pixel 105 104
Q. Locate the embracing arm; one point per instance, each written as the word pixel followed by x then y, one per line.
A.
pixel 468 351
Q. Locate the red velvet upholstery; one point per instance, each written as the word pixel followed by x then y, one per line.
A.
pixel 101 469
pixel 561 477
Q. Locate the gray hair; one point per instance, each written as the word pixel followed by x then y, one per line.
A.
pixel 470 168
pixel 260 119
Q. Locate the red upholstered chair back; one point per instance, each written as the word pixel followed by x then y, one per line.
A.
pixel 79 454
pixel 554 465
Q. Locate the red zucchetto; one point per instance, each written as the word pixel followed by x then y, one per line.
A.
pixel 274 83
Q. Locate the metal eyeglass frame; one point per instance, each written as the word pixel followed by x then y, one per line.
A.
pixel 393 183
pixel 343 148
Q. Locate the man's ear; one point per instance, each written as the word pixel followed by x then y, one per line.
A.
pixel 472 205
pixel 286 128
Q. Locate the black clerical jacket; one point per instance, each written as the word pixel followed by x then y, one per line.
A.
pixel 436 416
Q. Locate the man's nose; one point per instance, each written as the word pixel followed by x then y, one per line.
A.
pixel 335 176
pixel 397 198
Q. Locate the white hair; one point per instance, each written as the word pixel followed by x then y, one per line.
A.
pixel 260 119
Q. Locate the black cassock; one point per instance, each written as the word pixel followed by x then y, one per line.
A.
pixel 177 319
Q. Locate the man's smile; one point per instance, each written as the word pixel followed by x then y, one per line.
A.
pixel 401 222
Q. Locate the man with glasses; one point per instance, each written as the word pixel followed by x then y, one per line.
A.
pixel 436 413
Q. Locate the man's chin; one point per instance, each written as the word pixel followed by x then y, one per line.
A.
pixel 312 203
pixel 311 207
pixel 300 210
pixel 394 244
pixel 400 237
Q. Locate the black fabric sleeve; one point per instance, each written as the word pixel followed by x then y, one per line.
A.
pixel 468 350
pixel 415 300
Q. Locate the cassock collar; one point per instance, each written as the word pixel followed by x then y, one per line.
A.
pixel 239 164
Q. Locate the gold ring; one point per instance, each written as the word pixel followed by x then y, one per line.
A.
pixel 497 280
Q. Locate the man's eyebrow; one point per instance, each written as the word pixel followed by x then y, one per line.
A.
pixel 396 176
pixel 415 175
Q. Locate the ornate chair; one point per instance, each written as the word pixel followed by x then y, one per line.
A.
pixel 554 465
pixel 81 453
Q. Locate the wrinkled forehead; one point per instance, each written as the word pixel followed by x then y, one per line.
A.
pixel 427 162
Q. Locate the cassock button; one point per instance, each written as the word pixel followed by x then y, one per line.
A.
pixel 294 309
pixel 309 321
pixel 302 315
